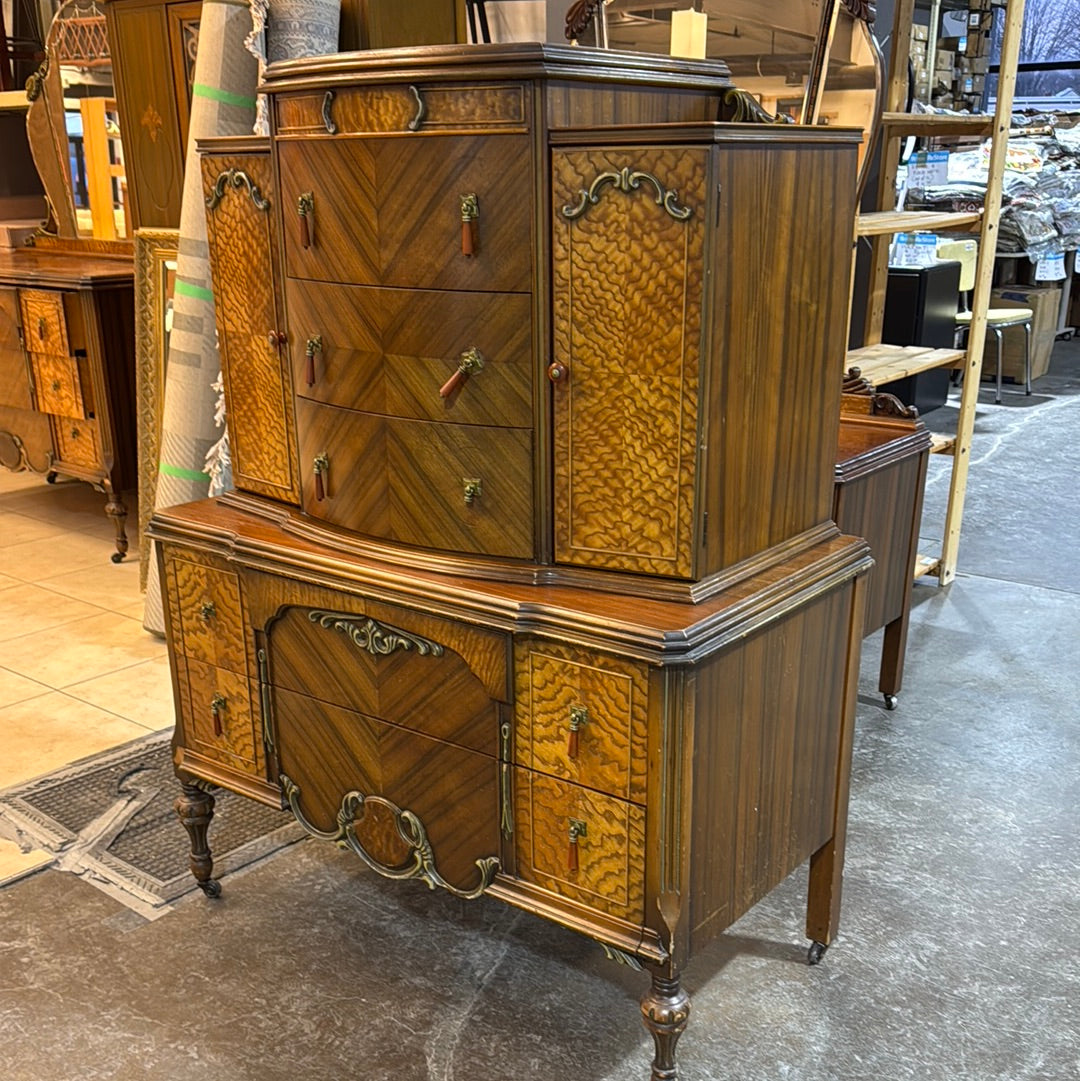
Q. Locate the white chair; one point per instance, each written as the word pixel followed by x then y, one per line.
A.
pixel 997 319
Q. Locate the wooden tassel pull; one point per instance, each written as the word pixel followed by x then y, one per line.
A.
pixel 579 715
pixel 217 704
pixel 577 829
pixel 470 363
pixel 313 346
pixel 305 207
pixel 470 212
pixel 322 467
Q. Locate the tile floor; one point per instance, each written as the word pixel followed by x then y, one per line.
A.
pixel 73 651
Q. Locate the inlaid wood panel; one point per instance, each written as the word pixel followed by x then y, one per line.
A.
pixel 383 669
pixel 382 109
pixel 388 211
pixel 14 379
pixel 58 386
pixel 328 751
pixel 628 280
pixel 241 227
pixel 77 442
pixel 390 351
pixel 410 481
pixel 551 681
pixel 208 613
pixel 610 856
pixel 235 737
pixel 44 322
pixel 766 754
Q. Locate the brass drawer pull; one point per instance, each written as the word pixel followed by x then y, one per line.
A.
pixel 577 829
pixel 207 611
pixel 41 326
pixel 217 707
pixel 421 109
pixel 322 468
pixel 56 386
pixel 313 346
pixel 327 119
pixel 305 207
pixel 472 489
pixel 471 362
pixel 470 213
pixel 579 716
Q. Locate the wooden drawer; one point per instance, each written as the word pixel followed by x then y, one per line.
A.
pixel 328 752
pixel 206 613
pixel 404 109
pixel 388 211
pixel 431 675
pixel 43 321
pixel 414 481
pixel 14 374
pixel 219 714
pixel 559 689
pixel 610 853
pixel 390 351
pixel 57 384
pixel 77 442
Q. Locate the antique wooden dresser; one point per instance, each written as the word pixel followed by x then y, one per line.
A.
pixel 529 587
pixel 67 370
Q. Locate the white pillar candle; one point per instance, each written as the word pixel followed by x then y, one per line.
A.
pixel 688 33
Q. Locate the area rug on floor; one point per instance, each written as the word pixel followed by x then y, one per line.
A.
pixel 110 819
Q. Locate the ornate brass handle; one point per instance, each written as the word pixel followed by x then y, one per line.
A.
pixel 327 119
pixel 421 109
pixel 579 716
pixel 470 213
pixel 305 207
pixel 472 489
pixel 312 346
pixel 557 372
pixel 627 180
pixel 207 611
pixel 321 467
pixel 577 829
pixel 217 707
pixel 471 362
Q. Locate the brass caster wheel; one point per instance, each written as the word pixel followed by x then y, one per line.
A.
pixel 815 953
pixel 890 701
pixel 211 887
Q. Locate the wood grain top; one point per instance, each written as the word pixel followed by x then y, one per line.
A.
pixel 29 267
pixel 521 60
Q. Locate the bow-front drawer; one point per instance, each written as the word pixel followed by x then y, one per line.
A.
pixel 582 716
pixel 219 721
pixel 465 358
pixel 580 844
pixel 205 613
pixel 441 213
pixel 44 322
pixel 454 487
pixel 403 109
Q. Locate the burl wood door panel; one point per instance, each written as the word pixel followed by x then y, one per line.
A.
pixel 328 752
pixel 14 378
pixel 580 844
pixel 627 302
pixel 455 487
pixel 391 351
pixel 389 211
pixel 582 716
pixel 242 232
pixel 390 670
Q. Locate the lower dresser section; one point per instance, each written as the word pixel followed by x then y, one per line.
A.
pixel 588 758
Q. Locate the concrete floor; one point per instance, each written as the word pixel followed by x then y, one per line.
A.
pixel 958 953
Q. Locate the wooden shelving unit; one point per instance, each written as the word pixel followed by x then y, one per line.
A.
pixel 881 363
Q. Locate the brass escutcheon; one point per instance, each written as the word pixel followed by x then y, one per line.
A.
pixel 207 611
pixel 579 715
pixel 577 829
pixel 472 488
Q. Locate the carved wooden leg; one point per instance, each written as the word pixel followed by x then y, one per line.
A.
pixel 195 808
pixel 116 510
pixel 665 1008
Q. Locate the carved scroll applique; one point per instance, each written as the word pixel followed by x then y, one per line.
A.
pixel 374 637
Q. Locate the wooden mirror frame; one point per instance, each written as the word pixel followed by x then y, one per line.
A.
pixel 154 250
pixel 46 131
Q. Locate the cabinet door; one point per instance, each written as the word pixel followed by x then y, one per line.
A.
pixel 628 228
pixel 241 228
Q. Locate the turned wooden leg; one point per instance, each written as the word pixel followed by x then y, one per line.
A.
pixel 116 510
pixel 665 1008
pixel 195 809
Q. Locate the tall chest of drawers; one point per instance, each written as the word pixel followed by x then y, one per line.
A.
pixel 530 570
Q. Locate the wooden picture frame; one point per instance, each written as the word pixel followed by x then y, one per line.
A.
pixel 155 277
